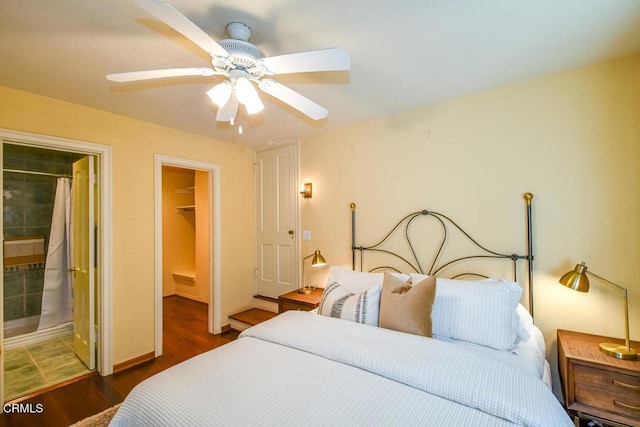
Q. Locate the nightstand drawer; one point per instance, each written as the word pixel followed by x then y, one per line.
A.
pixel 613 382
pixel 286 305
pixel 616 403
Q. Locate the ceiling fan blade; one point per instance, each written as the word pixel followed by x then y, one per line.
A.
pixel 293 98
pixel 229 111
pixel 134 76
pixel 333 59
pixel 170 16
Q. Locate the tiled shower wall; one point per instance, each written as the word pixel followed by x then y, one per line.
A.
pixel 28 206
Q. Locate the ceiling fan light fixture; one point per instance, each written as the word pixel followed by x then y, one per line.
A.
pixel 248 96
pixel 255 106
pixel 220 93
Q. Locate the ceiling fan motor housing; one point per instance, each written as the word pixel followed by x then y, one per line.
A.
pixel 239 31
pixel 244 52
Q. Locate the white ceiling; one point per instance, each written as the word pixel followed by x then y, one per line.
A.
pixel 404 54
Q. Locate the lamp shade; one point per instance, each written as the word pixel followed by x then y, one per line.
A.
pixel 248 96
pixel 318 260
pixel 220 93
pixel 255 106
pixel 576 279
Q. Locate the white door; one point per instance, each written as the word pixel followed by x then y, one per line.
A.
pixel 83 256
pixel 276 221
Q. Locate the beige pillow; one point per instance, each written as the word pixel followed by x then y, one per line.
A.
pixel 407 308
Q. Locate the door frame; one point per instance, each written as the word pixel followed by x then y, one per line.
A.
pixel 215 261
pixel 104 254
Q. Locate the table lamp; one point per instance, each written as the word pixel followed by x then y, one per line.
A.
pixel 317 261
pixel 577 280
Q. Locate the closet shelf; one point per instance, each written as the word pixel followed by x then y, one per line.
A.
pixel 186 208
pixel 186 190
pixel 185 275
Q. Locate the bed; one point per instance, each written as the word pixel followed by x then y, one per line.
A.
pixel 383 348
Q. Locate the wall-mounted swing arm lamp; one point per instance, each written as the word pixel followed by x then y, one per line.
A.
pixel 577 280
pixel 307 190
pixel 317 261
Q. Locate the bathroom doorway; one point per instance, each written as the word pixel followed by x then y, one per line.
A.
pixel 39 324
pixel 102 242
pixel 187 236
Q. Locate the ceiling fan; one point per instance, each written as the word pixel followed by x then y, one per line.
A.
pixel 243 63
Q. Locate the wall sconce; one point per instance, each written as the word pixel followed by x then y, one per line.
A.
pixel 307 191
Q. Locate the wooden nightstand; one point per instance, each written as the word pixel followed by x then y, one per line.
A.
pixel 597 386
pixel 298 301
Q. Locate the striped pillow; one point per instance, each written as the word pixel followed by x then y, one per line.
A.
pixel 337 302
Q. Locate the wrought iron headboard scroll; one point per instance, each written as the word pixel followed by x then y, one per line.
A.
pixel 436 267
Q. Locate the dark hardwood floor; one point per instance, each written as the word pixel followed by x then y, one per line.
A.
pixel 184 336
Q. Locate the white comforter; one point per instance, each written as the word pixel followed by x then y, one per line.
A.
pixel 304 369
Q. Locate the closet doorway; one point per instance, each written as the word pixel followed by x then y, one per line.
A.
pixel 53 222
pixel 187 236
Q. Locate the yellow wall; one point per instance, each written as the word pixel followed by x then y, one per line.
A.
pixel 573 139
pixel 134 144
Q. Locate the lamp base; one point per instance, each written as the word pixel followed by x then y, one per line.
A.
pixel 618 351
pixel 307 290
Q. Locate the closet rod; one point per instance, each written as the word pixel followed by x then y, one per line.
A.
pixel 59 175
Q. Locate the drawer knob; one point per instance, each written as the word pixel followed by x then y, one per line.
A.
pixel 626 405
pixel 625 385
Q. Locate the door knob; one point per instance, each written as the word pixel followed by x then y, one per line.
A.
pixel 291 233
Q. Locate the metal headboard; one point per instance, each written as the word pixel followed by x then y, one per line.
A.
pixel 437 265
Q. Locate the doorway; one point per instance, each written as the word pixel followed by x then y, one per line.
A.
pixel 36 170
pixel 185 233
pixel 187 244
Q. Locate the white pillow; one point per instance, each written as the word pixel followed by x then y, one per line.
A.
pixel 525 323
pixel 358 281
pixel 363 307
pixel 417 278
pixel 524 318
pixel 482 312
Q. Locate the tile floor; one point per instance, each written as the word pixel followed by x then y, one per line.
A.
pixel 39 365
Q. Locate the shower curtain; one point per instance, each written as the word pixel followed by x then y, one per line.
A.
pixel 57 295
